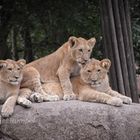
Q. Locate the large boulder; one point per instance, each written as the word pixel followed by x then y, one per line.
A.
pixel 72 120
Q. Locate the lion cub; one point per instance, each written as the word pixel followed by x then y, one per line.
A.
pixel 10 79
pixel 92 85
pixel 62 64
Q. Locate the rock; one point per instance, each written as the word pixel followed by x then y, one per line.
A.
pixel 72 120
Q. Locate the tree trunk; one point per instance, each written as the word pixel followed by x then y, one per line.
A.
pixel 28 50
pixel 14 50
pixel 4 31
pixel 6 11
pixel 116 28
pixel 4 50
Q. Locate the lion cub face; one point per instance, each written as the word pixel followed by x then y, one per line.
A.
pixel 95 72
pixel 11 71
pixel 81 49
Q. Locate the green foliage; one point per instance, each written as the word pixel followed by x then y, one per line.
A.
pixel 52 22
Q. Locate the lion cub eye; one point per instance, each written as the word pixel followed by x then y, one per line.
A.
pixel 98 70
pixel 80 50
pixel 9 69
pixel 89 71
pixel 88 50
pixel 18 68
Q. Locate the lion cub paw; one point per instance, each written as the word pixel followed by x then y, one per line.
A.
pixel 6 112
pixel 68 97
pixel 24 102
pixel 36 97
pixel 115 101
pixel 51 98
pixel 126 100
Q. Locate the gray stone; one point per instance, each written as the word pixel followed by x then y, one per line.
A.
pixel 72 120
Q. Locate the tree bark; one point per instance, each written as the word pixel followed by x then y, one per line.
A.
pixel 117 38
pixel 6 11
pixel 4 50
pixel 4 30
pixel 107 45
pixel 28 49
pixel 14 50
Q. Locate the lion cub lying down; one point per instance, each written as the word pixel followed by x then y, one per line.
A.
pixel 92 85
pixel 10 79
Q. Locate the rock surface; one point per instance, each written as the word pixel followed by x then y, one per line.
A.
pixel 72 120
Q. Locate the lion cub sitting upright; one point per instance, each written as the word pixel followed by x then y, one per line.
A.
pixel 92 85
pixel 60 65
pixel 10 79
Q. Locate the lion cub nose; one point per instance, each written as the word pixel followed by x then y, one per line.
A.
pixel 94 81
pixel 86 60
pixel 16 77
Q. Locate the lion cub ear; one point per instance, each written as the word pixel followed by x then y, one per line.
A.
pixel 21 62
pixel 91 42
pixel 2 64
pixel 73 41
pixel 106 63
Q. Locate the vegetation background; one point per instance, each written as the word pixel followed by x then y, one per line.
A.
pixel 31 29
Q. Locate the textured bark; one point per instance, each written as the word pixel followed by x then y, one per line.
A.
pixel 14 50
pixel 73 120
pixel 5 26
pixel 116 28
pixel 28 49
pixel 107 44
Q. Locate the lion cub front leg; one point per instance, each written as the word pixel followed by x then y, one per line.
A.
pixel 54 88
pixel 125 99
pixel 24 96
pixel 93 95
pixel 31 80
pixel 8 106
pixel 64 77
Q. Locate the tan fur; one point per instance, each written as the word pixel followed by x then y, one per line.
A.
pixel 93 84
pixel 60 65
pixel 10 79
